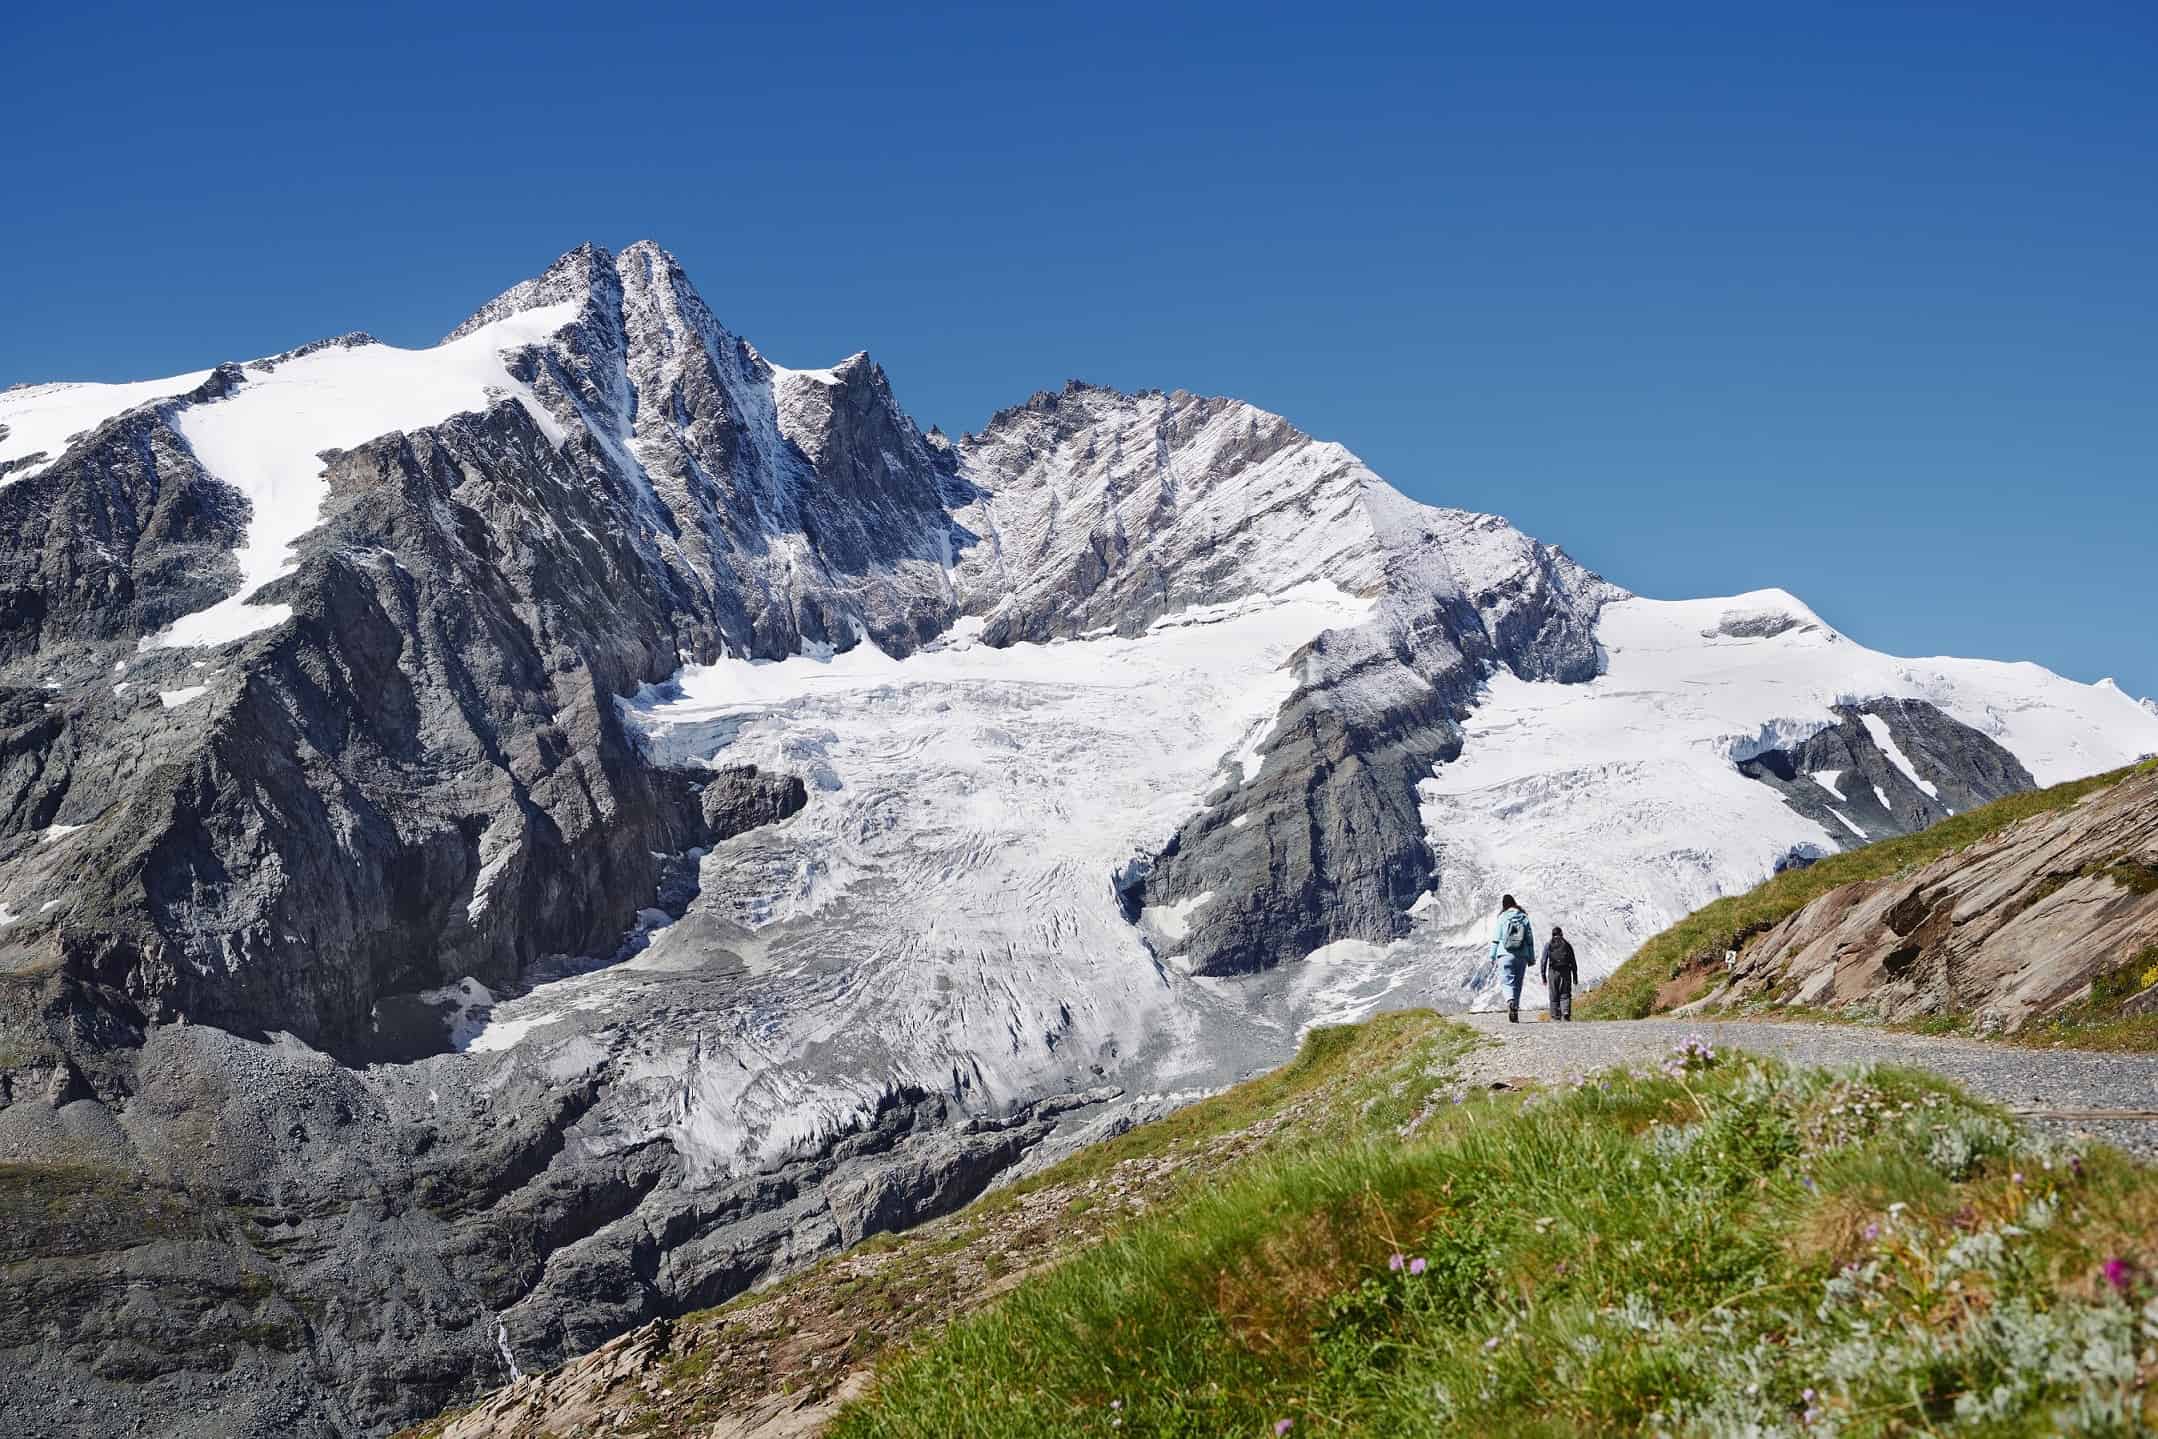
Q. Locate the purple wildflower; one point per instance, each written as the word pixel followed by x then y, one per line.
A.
pixel 1395 1262
pixel 1491 1343
pixel 1283 1426
pixel 1417 1266
pixel 1806 1395
pixel 2118 1272
pixel 1872 1232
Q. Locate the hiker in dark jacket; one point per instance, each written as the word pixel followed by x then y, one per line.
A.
pixel 1559 973
pixel 1513 943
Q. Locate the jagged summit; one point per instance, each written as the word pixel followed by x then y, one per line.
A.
pixel 677 817
pixel 1049 400
pixel 570 279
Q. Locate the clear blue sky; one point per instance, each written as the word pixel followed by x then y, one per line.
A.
pixel 1859 300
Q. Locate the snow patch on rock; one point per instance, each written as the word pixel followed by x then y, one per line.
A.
pixel 268 436
pixel 43 419
pixel 1886 743
pixel 1615 808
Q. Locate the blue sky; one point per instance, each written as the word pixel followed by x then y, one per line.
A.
pixel 1857 300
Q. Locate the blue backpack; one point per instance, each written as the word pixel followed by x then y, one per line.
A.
pixel 1517 939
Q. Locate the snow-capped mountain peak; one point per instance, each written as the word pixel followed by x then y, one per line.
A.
pixel 705 812
pixel 572 279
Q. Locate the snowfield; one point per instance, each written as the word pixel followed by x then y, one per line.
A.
pixel 1614 808
pixel 42 419
pixel 267 439
pixel 943 913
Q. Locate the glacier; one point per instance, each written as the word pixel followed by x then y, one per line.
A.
pixel 564 824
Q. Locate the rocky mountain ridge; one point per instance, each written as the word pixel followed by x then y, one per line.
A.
pixel 2012 930
pixel 506 841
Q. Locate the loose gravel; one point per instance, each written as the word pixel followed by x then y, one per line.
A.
pixel 2018 1079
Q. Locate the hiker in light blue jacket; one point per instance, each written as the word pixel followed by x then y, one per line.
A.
pixel 1513 943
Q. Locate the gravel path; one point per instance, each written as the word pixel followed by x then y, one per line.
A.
pixel 2020 1079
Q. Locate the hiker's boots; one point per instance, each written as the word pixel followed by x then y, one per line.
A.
pixel 1513 1014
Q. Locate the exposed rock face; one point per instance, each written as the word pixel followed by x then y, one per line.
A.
pixel 421 778
pixel 736 801
pixel 117 542
pixel 2005 932
pixel 1102 512
pixel 1327 842
pixel 1888 767
pixel 327 1251
pixel 409 975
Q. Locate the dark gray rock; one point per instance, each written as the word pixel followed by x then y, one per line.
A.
pixel 257 1240
pixel 735 801
pixel 422 778
pixel 262 892
pixel 1965 768
pixel 1327 843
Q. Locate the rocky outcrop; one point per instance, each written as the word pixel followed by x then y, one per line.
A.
pixel 124 536
pixel 226 869
pixel 410 1009
pixel 1327 842
pixel 2041 916
pixel 736 801
pixel 1889 766
pixel 261 1241
pixel 1099 513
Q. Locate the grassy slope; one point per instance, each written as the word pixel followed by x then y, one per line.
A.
pixel 1726 1247
pixel 1630 991
pixel 802 1335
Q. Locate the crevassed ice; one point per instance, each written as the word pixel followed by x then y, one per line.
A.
pixel 944 907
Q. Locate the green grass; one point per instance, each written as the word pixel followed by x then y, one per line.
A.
pixel 1344 1079
pixel 1630 991
pixel 807 1330
pixel 51 1211
pixel 1726 1247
